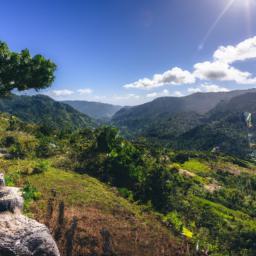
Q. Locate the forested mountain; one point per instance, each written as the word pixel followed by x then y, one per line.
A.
pixel 243 103
pixel 196 122
pixel 139 118
pixel 224 127
pixel 97 110
pixel 44 110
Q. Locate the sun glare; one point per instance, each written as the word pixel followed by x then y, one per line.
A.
pixel 245 5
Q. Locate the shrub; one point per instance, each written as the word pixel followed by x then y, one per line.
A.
pixel 41 167
pixel 173 219
pixel 8 141
pixel 124 192
pixel 30 194
pixel 12 179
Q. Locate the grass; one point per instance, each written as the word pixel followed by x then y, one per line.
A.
pixel 223 211
pixel 75 189
pixel 95 204
pixel 194 165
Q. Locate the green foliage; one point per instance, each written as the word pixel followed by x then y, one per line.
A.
pixel 196 166
pixel 44 111
pixel 30 194
pixel 21 71
pixel 46 147
pixel 173 219
pixel 41 167
pixel 176 185
pixel 151 176
pixel 124 192
pixel 12 179
pixel 106 139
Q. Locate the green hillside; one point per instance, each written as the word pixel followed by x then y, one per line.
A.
pixel 99 209
pixel 44 110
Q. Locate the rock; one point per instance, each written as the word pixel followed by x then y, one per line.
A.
pixel 10 199
pixel 2 181
pixel 3 150
pixel 20 235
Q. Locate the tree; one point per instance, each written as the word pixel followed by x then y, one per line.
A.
pixel 21 71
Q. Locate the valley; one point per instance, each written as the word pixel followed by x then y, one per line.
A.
pixel 93 187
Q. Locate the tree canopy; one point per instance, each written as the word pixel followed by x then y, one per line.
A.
pixel 21 71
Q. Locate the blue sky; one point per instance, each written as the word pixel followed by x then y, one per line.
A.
pixel 111 51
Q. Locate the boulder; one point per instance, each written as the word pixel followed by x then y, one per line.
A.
pixel 20 235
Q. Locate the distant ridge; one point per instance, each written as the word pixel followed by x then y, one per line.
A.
pixel 141 116
pixel 201 121
pixel 97 110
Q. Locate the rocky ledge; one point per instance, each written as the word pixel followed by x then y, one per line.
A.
pixel 19 235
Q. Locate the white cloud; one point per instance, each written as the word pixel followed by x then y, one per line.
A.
pixel 213 88
pixel 243 51
pixel 98 97
pixel 64 92
pixel 174 76
pixel 220 71
pixel 177 94
pixel 126 97
pixel 208 88
pixel 194 90
pixel 85 91
pixel 152 95
pixel 166 92
pixel 163 93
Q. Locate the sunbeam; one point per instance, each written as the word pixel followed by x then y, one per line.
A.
pixel 216 22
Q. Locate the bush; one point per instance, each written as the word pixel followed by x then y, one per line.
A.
pixel 41 167
pixel 12 179
pixel 124 192
pixel 173 219
pixel 30 194
pixel 46 148
pixel 8 141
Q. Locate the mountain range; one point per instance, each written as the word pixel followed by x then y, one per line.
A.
pixel 96 110
pixel 200 121
pixel 166 107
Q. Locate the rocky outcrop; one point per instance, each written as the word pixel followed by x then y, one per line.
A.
pixel 19 235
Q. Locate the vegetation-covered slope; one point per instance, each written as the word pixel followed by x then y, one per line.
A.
pixel 139 197
pixel 44 110
pixel 224 127
pixel 138 118
pixel 95 110
pixel 85 216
